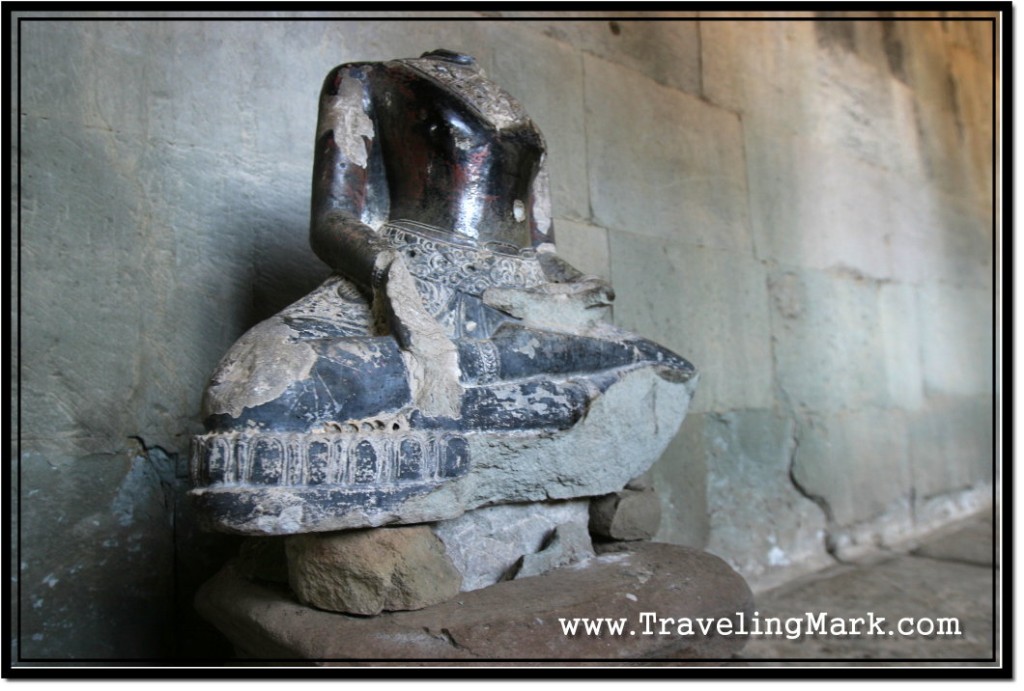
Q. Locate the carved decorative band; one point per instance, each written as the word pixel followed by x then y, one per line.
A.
pixel 433 255
pixel 300 460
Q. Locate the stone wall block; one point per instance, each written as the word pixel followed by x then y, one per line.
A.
pixel 956 334
pixel 663 163
pixel 584 246
pixel 815 206
pixel 710 306
pixel 901 338
pixel 666 50
pixel 952 445
pixel 828 343
pixel 97 556
pixel 760 522
pixel 840 458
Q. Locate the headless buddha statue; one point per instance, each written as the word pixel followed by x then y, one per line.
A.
pixel 449 313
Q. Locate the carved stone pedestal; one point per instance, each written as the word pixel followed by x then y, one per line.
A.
pixel 642 585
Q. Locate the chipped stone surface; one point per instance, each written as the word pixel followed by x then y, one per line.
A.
pixel 485 544
pixel 513 620
pixel 370 571
pixel 567 544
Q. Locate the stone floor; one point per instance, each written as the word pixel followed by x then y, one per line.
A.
pixel 949 574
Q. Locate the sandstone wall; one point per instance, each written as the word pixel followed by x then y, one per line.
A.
pixel 803 208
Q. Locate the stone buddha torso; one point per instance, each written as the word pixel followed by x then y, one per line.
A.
pixel 450 329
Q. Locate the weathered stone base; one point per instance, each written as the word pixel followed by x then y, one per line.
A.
pixel 632 423
pixel 510 621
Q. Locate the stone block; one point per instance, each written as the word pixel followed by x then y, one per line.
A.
pixel 519 620
pixel 567 544
pixel 485 544
pixel 751 65
pixel 939 238
pixel 758 520
pixel 828 341
pixel 951 445
pixel 642 482
pixel 370 571
pixel 708 304
pixel 814 206
pixel 840 458
pixel 584 246
pixel 626 515
pixel 666 50
pixel 663 164
pixel 680 476
pixel 901 338
pixel 956 336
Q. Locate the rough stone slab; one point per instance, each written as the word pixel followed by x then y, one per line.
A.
pixel 369 571
pixel 663 163
pixel 626 515
pixel 503 468
pixel 718 317
pixel 485 544
pixel 513 620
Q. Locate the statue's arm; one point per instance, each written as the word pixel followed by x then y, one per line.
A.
pixel 348 181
